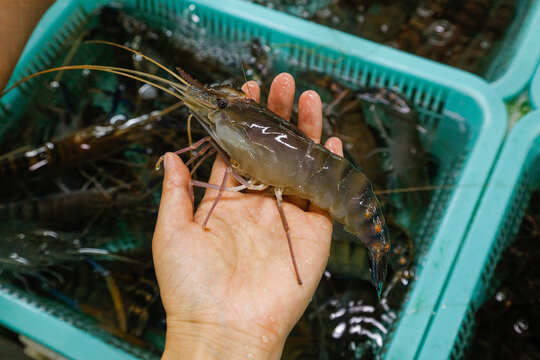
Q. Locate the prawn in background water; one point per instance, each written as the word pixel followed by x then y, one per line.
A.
pixel 88 144
pixel 395 119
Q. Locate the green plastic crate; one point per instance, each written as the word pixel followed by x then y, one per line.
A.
pixel 437 91
pixel 534 90
pixel 516 59
pixel 495 226
pixel 514 62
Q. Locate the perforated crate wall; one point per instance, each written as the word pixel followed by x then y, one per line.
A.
pixel 501 210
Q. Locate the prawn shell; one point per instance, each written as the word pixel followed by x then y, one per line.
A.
pixel 260 143
pixel 355 193
pixel 322 188
pixel 273 151
pixel 270 150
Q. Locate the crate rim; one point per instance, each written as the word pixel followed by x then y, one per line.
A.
pixel 457 297
pixel 534 90
pixel 462 201
pixel 30 315
pixel 520 70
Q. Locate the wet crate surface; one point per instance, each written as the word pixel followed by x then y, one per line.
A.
pixel 512 59
pixel 494 228
pixel 437 92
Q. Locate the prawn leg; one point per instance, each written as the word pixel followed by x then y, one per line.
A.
pixel 216 187
pixel 249 183
pixel 199 154
pixel 244 184
pixel 202 160
pixel 222 188
pixel 380 124
pixel 279 198
pixel 218 197
pixel 189 148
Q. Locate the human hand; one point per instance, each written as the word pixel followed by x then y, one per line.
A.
pixel 230 290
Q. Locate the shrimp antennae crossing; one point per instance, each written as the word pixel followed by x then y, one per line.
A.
pixel 245 79
pixel 109 69
pixel 141 55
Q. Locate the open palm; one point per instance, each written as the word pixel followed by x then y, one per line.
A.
pixel 231 288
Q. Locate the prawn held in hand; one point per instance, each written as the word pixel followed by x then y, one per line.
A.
pixel 266 149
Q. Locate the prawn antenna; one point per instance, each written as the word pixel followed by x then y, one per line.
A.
pixel 190 139
pixel 245 78
pixel 415 189
pixel 182 80
pixel 70 55
pixel 110 69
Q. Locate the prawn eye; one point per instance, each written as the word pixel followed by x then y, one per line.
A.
pixel 222 104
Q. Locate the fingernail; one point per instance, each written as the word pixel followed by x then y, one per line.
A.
pixel 310 94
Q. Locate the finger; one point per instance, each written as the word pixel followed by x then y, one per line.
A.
pixel 334 145
pixel 281 97
pixel 310 115
pixel 309 122
pixel 252 90
pixel 175 208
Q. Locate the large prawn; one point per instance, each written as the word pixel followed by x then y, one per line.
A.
pixel 264 151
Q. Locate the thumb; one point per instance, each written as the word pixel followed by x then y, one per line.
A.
pixel 176 207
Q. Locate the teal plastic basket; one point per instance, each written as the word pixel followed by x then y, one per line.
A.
pixel 438 92
pixel 512 67
pixel 534 90
pixel 495 226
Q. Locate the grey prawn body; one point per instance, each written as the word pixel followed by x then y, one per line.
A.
pixel 269 150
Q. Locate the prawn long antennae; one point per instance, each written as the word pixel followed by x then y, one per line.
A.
pixel 422 188
pixel 180 88
pixel 182 80
pixel 117 71
pixel 245 78
pixel 192 99
pixel 412 189
pixel 70 55
pixel 182 76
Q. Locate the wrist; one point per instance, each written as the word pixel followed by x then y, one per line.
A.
pixel 190 340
